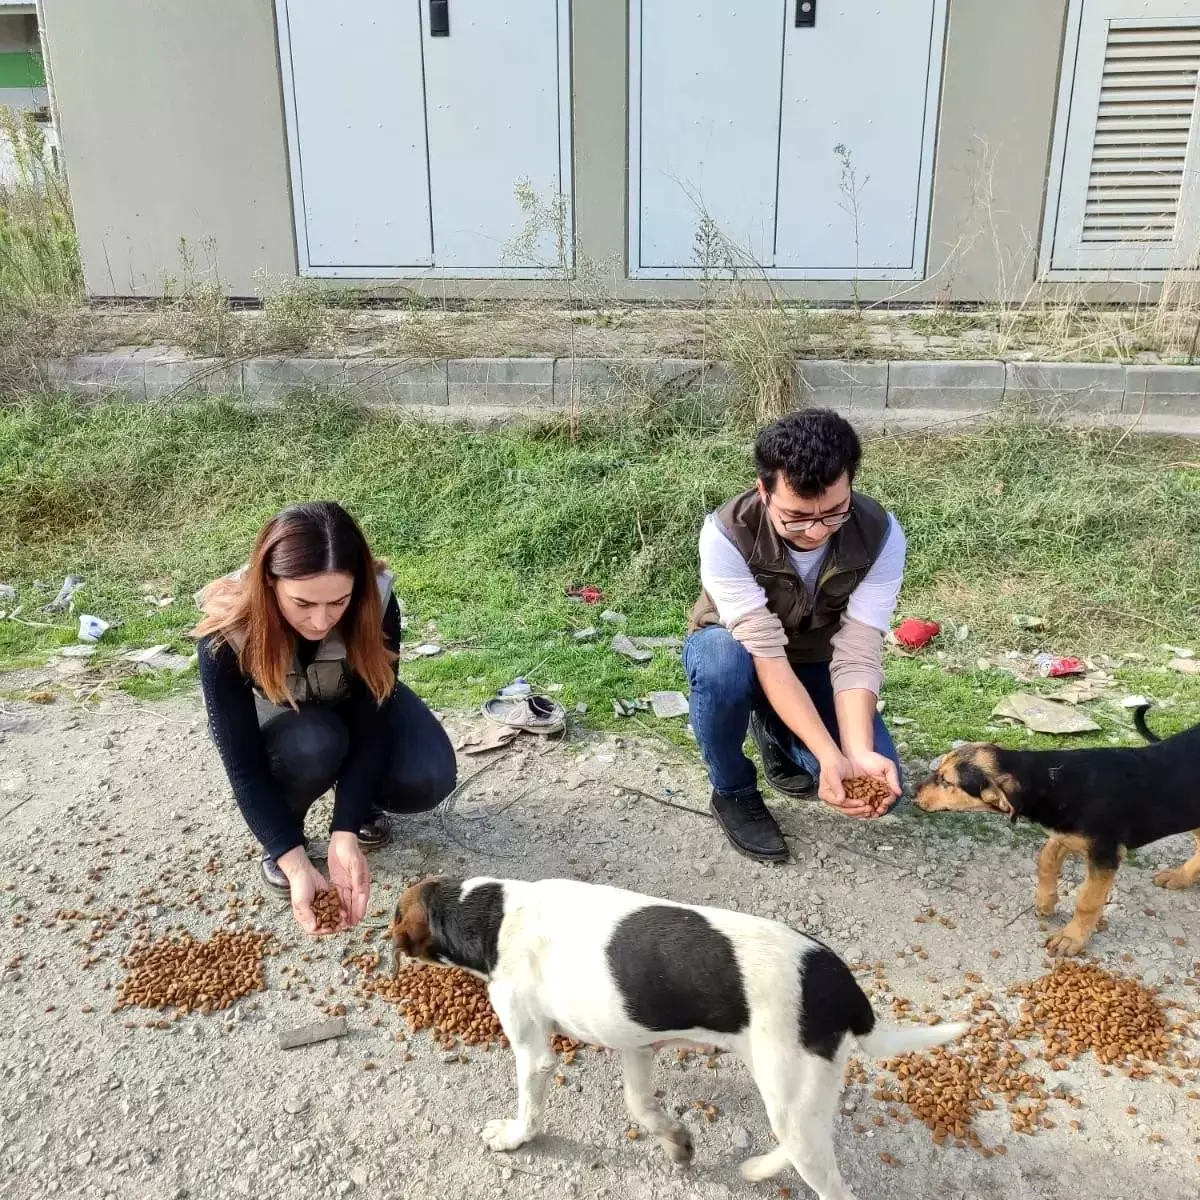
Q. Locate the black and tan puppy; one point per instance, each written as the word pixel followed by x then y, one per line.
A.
pixel 1095 802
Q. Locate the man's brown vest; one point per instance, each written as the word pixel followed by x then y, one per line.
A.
pixel 809 621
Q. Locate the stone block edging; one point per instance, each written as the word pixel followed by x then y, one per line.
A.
pixel 906 393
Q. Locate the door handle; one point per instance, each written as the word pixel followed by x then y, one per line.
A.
pixel 806 14
pixel 439 18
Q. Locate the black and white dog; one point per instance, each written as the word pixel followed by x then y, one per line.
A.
pixel 618 969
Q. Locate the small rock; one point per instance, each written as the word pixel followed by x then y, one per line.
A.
pixel 82 1160
pixel 741 1139
pixel 613 618
pixel 295 1104
pixel 623 646
pixel 854 954
pixel 358 1176
pixel 585 635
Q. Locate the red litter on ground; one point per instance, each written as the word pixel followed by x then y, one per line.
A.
pixel 914 633
pixel 1060 668
pixel 587 593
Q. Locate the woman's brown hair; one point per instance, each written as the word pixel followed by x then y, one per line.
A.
pixel 304 540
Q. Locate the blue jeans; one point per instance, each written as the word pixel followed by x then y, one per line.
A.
pixel 724 692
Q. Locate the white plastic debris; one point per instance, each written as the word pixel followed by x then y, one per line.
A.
pixel 91 629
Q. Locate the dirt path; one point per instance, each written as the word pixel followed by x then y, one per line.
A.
pixel 123 805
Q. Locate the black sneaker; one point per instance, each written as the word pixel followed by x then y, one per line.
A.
pixel 749 826
pixel 780 772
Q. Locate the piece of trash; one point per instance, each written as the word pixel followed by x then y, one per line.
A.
pixel 585 594
pixel 70 586
pixel 1136 701
pixel 493 737
pixel 91 629
pixel 627 708
pixel 1051 666
pixel 306 1035
pixel 159 658
pixel 1083 692
pixel 518 687
pixel 1185 666
pixel 1024 621
pixel 585 635
pixel 623 646
pixel 962 633
pixel 581 708
pixel 915 633
pixel 1042 715
pixel 7 592
pixel 613 618
pixel 666 705
pixel 426 650
pixel 84 651
pixel 1173 651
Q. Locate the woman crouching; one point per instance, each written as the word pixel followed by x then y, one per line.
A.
pixel 298 655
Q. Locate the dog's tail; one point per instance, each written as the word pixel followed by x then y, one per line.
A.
pixel 1139 720
pixel 889 1041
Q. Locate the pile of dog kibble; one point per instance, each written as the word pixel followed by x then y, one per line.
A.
pixel 187 975
pixel 868 790
pixel 451 1003
pixel 1075 1008
pixel 327 907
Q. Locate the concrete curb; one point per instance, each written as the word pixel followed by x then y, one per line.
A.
pixel 899 394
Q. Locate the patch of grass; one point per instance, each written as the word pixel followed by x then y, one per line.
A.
pixel 485 531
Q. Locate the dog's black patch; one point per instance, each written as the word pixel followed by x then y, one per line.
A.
pixel 972 779
pixel 466 931
pixel 675 970
pixel 831 1003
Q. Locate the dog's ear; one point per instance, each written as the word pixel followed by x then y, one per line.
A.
pixel 411 934
pixel 995 795
pixel 978 779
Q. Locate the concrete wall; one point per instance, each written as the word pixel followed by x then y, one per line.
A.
pixel 172 126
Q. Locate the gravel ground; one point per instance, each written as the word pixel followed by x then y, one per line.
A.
pixel 123 804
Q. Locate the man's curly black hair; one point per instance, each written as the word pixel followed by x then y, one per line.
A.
pixel 813 448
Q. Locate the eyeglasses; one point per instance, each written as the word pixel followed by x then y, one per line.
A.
pixel 829 521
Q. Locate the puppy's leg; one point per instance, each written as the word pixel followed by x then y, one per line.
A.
pixel 638 1066
pixel 1093 896
pixel 1184 876
pixel 1049 868
pixel 530 1040
pixel 801 1097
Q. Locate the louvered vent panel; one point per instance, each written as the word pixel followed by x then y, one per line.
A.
pixel 1147 105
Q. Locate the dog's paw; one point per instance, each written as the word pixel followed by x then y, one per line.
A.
pixel 1176 879
pixel 763 1166
pixel 1044 906
pixel 1065 945
pixel 677 1142
pixel 504 1135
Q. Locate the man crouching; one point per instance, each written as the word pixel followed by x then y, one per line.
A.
pixel 800 578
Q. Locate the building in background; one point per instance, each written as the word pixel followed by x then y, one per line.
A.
pixel 22 76
pixel 914 149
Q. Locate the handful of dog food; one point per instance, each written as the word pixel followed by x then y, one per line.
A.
pixel 868 790
pixel 327 906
